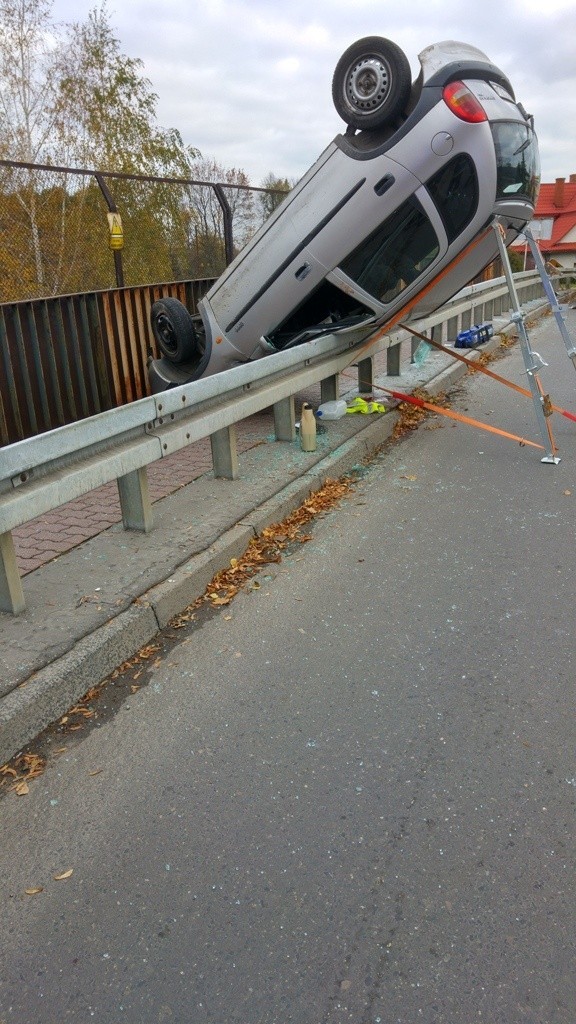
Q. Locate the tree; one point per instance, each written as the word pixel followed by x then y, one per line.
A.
pixel 69 96
pixel 205 222
pixel 27 93
pixel 27 104
pixel 269 201
pixel 107 108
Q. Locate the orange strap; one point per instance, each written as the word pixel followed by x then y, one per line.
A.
pixel 476 366
pixel 413 400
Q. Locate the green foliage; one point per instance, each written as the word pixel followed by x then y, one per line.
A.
pixel 516 261
pixel 107 108
pixel 71 97
pixel 269 201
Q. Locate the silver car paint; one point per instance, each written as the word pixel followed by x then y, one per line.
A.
pixel 290 256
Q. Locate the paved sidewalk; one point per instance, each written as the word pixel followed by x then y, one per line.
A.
pixel 96 593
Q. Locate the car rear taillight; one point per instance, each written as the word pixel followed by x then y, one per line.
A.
pixel 463 103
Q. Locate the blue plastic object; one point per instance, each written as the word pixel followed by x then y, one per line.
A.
pixel 476 335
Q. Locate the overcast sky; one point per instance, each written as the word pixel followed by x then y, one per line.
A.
pixel 248 82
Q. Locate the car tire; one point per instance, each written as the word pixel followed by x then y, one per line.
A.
pixel 173 330
pixel 372 83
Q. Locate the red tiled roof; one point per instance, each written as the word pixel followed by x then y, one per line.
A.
pixel 563 217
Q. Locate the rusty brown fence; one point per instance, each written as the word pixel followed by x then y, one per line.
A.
pixel 68 357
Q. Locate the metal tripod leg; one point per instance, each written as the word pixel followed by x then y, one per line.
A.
pixel 551 295
pixel 533 362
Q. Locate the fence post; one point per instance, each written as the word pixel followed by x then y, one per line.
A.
pixel 118 266
pixel 227 214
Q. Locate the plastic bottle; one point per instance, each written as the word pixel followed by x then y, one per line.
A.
pixel 332 410
pixel 307 429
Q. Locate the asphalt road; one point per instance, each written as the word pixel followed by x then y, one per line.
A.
pixel 350 795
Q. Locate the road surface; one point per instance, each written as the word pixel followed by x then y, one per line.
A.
pixel 350 795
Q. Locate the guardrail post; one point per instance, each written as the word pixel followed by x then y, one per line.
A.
pixel 366 375
pixel 224 453
pixel 330 388
pixel 11 593
pixel 452 329
pixel 393 360
pixel 285 419
pixel 135 500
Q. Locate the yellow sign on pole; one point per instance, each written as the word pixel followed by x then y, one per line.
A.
pixel 116 231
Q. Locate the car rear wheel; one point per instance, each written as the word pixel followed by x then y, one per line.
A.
pixel 173 330
pixel 371 84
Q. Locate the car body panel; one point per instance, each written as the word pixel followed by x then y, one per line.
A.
pixel 377 226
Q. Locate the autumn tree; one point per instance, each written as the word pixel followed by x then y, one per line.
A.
pixel 69 96
pixel 27 114
pixel 205 222
pixel 278 189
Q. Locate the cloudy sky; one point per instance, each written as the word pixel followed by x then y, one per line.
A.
pixel 248 82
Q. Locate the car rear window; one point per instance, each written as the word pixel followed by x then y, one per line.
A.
pixel 394 255
pixel 454 189
pixel 517 160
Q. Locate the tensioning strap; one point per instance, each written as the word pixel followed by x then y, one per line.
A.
pixel 480 368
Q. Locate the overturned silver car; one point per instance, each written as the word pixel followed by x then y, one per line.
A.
pixel 390 222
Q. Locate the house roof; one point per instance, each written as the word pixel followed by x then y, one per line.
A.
pixel 558 202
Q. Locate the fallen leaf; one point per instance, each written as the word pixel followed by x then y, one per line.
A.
pixel 567 492
pixel 22 788
pixel 34 891
pixel 63 875
pixel 96 771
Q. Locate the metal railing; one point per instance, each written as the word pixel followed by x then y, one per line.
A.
pixel 72 356
pixel 72 228
pixel 41 473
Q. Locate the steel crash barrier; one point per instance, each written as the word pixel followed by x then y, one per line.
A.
pixel 42 473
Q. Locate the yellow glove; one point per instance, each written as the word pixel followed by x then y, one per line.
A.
pixel 362 406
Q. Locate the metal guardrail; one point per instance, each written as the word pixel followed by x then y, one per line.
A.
pixel 41 473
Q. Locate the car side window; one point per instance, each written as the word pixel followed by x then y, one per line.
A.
pixel 394 255
pixel 454 189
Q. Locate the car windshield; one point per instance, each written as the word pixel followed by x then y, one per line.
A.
pixel 395 254
pixel 517 160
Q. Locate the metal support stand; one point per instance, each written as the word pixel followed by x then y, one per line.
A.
pixel 532 360
pixel 551 295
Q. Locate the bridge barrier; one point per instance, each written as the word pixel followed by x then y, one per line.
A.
pixel 40 473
